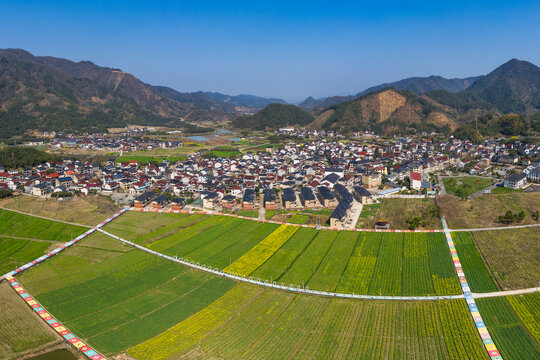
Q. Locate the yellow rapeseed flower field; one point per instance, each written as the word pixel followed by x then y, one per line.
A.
pixel 193 329
pixel 258 255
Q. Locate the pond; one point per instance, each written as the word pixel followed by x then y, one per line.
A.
pixel 198 138
pixel 61 354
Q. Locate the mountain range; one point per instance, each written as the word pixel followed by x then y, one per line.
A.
pixel 417 85
pixel 432 102
pixel 48 93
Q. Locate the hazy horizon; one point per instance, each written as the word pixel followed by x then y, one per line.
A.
pixel 280 50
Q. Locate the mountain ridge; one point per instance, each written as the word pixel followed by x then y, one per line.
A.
pixel 415 84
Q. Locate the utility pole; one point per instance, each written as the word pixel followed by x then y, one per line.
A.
pixel 476 120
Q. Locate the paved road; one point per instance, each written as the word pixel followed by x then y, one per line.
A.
pixel 504 293
pixel 498 228
pixel 46 218
pixel 442 189
pixel 481 192
pixel 262 210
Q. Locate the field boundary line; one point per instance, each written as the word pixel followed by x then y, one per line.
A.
pixel 505 293
pixel 265 283
pixel 63 247
pixel 57 326
pixel 38 308
pixel 211 212
pixel 46 218
pixel 487 341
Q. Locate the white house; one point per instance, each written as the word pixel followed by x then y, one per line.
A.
pixel 516 181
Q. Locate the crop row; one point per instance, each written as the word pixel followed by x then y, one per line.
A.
pixel 366 263
pixel 15 252
pixel 507 332
pixel 511 254
pixel 261 252
pixel 462 341
pixel 527 307
pixel 189 332
pixel 19 225
pixel 272 324
pixel 286 255
pixel 119 299
pixel 363 263
pixel 473 265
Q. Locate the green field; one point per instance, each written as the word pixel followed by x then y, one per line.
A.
pixel 510 255
pixel 121 299
pixel 21 331
pixel 465 186
pixel 505 328
pixel 474 267
pixel 13 224
pixel 363 263
pixel 253 323
pixel 298 219
pixel 249 213
pixel 527 308
pixel 24 238
pixel 17 252
pixel 116 297
pixel 505 190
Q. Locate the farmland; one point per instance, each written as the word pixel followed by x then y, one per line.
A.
pixel 223 152
pixel 253 323
pixel 478 274
pixel 363 263
pixel 249 213
pixel 398 211
pixel 465 186
pixel 13 224
pixel 120 299
pixel 484 211
pixel 24 238
pixel 21 332
pixel 145 294
pixel 507 332
pixel 87 210
pixel 527 308
pixel 16 252
pixel 298 219
pixel 309 217
pixel 511 255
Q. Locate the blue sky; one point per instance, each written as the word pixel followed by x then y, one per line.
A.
pixel 278 48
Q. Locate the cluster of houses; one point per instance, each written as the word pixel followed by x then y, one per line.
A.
pixel 121 142
pixel 318 173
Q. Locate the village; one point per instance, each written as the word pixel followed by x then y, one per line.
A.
pixel 316 173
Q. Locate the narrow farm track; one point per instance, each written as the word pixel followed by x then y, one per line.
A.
pixel 239 278
pixel 46 218
pixel 274 285
pixel 505 293
pixel 483 332
pixel 307 291
pixel 466 294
